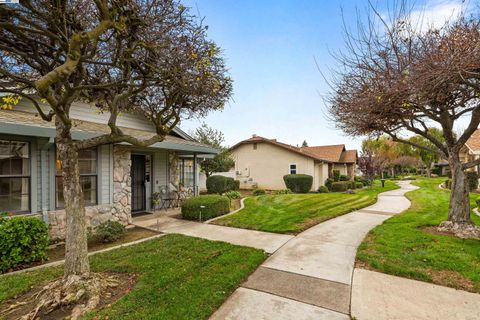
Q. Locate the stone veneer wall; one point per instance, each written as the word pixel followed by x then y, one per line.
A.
pixel 174 172
pixel 119 211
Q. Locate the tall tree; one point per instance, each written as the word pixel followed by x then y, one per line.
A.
pixel 425 154
pixel 398 78
pixel 148 57
pixel 221 162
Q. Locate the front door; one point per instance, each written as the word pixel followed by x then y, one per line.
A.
pixel 138 183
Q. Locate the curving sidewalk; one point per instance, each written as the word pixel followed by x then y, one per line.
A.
pixel 310 277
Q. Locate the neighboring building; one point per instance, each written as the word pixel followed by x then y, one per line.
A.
pixel 262 162
pixel 117 180
pixel 471 150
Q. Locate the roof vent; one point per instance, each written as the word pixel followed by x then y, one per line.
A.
pixel 254 135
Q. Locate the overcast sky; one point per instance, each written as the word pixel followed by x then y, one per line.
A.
pixel 270 48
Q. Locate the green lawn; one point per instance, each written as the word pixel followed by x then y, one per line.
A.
pixel 178 277
pixel 294 213
pixel 404 246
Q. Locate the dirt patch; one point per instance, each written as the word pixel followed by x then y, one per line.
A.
pixel 310 222
pixel 363 265
pixel 126 282
pixel 434 230
pixel 452 279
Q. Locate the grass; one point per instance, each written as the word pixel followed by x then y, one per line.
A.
pixel 179 277
pixel 406 246
pixel 293 213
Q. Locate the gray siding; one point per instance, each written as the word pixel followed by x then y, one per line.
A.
pixel 86 112
pixel 160 168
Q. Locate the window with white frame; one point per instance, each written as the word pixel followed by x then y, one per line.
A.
pixel 14 176
pixel 293 168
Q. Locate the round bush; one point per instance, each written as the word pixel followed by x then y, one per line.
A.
pixel 213 206
pixel 341 186
pixel 298 183
pixel 323 189
pixel 109 231
pixel 472 180
pixel 358 185
pixel 221 184
pixel 22 240
pixel 259 192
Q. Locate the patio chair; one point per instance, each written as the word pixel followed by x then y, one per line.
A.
pixel 166 198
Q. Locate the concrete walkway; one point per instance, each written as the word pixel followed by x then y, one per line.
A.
pixel 310 277
pixel 269 242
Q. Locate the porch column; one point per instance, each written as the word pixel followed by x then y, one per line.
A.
pixel 195 188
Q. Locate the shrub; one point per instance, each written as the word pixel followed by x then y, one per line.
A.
pixel 259 192
pixel 217 184
pixel 448 184
pixel 323 189
pixel 343 178
pixel 22 240
pixel 214 205
pixel 336 175
pixel 477 201
pixel 283 191
pixel 341 186
pixel 221 184
pixel 108 231
pixel 233 185
pixel 233 194
pixel 328 184
pixel 298 183
pixel 359 185
pixel 472 180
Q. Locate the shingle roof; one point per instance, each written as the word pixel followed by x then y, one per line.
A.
pixel 30 119
pixel 333 153
pixel 473 142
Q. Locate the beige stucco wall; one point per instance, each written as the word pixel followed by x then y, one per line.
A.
pixel 341 167
pixel 267 165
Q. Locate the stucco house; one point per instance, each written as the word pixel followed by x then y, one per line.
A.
pixel 262 162
pixel 117 180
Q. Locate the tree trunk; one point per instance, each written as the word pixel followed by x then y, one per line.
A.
pixel 459 221
pixel 76 252
pixel 459 209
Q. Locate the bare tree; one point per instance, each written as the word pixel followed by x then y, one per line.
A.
pixel 148 57
pixel 399 79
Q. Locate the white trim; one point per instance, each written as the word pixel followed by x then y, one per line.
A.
pixel 290 168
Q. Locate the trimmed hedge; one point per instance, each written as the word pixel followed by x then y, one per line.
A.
pixel 283 191
pixel 221 184
pixel 358 185
pixel 22 240
pixel 343 178
pixel 298 183
pixel 472 180
pixel 214 206
pixel 328 184
pixel 323 189
pixel 341 186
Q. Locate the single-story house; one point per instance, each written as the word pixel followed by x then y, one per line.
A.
pixel 117 180
pixel 262 162
pixel 471 150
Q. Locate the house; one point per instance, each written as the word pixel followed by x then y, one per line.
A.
pixel 117 180
pixel 262 162
pixel 471 150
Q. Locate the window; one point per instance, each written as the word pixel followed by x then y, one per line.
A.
pixel 254 146
pixel 87 162
pixel 14 176
pixel 186 172
pixel 293 168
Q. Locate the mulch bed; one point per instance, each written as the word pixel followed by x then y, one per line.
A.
pixel 126 282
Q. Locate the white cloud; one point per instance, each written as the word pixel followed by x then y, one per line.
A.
pixel 436 13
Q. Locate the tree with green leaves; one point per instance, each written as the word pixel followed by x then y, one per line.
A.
pixel 221 162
